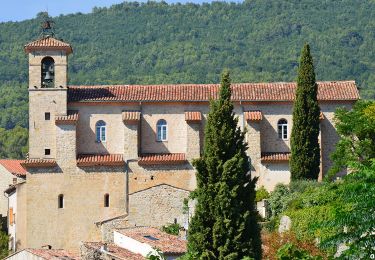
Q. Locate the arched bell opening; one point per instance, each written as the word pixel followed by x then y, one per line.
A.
pixel 48 73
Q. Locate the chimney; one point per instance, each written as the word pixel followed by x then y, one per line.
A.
pixel 14 181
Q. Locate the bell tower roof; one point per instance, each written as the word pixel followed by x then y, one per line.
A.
pixel 48 43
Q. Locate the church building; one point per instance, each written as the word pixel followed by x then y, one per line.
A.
pixel 101 157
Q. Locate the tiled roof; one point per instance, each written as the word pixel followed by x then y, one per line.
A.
pixel 30 163
pixel 168 244
pixel 166 158
pixel 275 157
pixel 54 254
pixel 255 115
pixel 70 118
pixel 114 250
pixel 14 167
pixel 280 91
pixel 48 43
pixel 193 116
pixel 131 116
pixel 100 159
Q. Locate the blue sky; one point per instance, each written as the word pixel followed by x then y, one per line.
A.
pixel 18 10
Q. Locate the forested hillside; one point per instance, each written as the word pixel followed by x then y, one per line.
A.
pixel 134 43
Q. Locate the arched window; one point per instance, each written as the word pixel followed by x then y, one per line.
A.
pixel 60 201
pixel 106 200
pixel 282 129
pixel 161 130
pixel 101 131
pixel 48 72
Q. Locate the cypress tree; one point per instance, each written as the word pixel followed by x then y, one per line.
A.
pixel 224 225
pixel 305 151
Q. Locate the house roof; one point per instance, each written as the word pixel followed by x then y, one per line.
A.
pixel 71 118
pixel 168 244
pixel 100 159
pixel 52 254
pixel 114 250
pixel 48 43
pixel 30 163
pixel 254 115
pixel 278 91
pixel 166 158
pixel 14 167
pixel 275 157
pixel 193 116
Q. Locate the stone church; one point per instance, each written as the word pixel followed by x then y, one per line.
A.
pixel 102 156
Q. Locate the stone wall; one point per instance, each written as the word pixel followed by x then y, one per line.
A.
pixel 157 206
pixel 6 179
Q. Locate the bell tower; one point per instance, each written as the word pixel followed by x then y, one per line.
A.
pixel 48 63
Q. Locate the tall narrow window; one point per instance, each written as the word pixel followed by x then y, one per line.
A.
pixel 47 116
pixel 106 200
pixel 101 131
pixel 61 201
pixel 48 72
pixel 161 130
pixel 282 129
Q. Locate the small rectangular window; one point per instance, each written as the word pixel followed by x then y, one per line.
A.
pixel 106 200
pixel 47 116
pixel 47 151
pixel 61 201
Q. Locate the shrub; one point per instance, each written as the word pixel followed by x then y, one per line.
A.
pixel 279 199
pixel 172 229
pixel 289 252
pixel 261 194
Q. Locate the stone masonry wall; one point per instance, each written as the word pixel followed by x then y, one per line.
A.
pixel 157 206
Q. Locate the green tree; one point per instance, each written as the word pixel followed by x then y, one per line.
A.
pixel 305 157
pixel 356 129
pixel 224 225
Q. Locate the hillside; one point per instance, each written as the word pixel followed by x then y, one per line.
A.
pixel 133 43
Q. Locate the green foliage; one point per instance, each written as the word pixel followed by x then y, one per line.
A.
pixel 13 143
pixel 158 256
pixel 279 199
pixel 172 229
pixel 261 194
pixel 305 151
pixel 224 224
pixel 155 43
pixel 291 252
pixel 356 128
pixel 4 240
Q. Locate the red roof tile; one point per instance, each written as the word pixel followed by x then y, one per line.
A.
pixel 255 115
pixel 280 91
pixel 193 116
pixel 131 116
pixel 100 159
pixel 114 250
pixel 14 167
pixel 53 254
pixel 167 158
pixel 275 157
pixel 70 118
pixel 31 163
pixel 48 43
pixel 168 244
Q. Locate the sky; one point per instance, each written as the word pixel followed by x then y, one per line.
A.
pixel 18 10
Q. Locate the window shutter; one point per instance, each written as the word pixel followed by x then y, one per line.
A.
pixel 10 216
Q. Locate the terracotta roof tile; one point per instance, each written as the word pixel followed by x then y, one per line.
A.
pixel 14 167
pixel 168 244
pixel 167 158
pixel 70 118
pixel 193 116
pixel 100 159
pixel 255 115
pixel 31 163
pixel 53 254
pixel 131 116
pixel 48 43
pixel 279 91
pixel 275 157
pixel 114 250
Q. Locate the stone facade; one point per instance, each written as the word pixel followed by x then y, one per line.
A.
pixel 150 194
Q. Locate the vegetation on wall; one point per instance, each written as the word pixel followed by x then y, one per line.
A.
pixel 305 152
pixel 153 42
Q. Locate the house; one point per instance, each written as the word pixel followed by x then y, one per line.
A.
pixel 43 254
pixel 121 155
